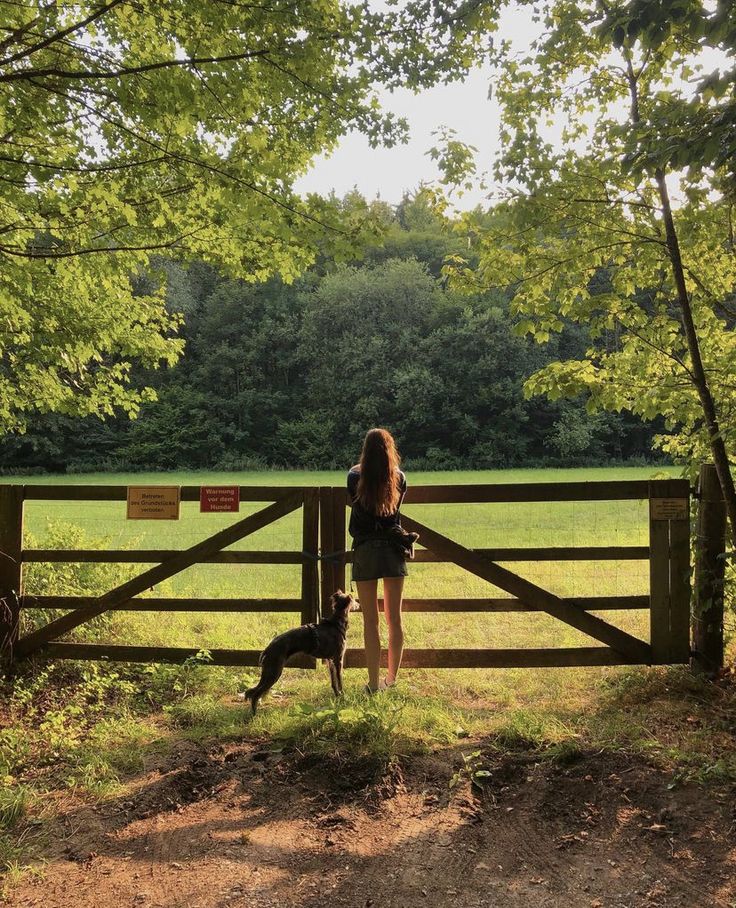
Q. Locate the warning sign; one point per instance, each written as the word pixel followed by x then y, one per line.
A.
pixel 668 508
pixel 153 502
pixel 219 498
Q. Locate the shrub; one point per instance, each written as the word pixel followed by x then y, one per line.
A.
pixel 70 578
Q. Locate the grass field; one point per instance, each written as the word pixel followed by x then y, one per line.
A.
pixel 479 525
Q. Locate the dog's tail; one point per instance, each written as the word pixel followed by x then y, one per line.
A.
pixel 272 664
pixel 254 694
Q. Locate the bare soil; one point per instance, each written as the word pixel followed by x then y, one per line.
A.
pixel 239 825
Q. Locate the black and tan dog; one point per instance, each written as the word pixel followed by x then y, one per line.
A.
pixel 326 640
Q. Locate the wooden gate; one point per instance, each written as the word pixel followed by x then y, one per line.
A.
pixel 167 564
pixel 668 554
pixel 324 522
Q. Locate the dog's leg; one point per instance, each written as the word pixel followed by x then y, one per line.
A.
pixel 337 677
pixel 338 673
pixel 334 677
pixel 271 669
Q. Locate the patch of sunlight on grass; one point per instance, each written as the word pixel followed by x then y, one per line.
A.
pixel 111 751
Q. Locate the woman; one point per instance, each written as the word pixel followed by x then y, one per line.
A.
pixel 377 487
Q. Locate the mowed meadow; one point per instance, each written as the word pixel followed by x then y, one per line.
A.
pixel 88 524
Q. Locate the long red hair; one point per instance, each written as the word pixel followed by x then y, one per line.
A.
pixel 379 485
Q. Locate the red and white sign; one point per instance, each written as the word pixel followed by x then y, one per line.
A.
pixel 219 499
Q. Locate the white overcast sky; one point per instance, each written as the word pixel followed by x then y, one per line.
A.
pixel 464 107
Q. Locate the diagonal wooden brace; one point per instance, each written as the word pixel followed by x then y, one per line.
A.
pixel 184 559
pixel 631 648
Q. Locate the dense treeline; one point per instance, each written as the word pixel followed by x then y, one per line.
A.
pixel 292 375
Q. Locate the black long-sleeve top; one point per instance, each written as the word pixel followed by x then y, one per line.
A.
pixel 363 524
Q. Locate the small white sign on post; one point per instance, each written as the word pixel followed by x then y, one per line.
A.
pixel 668 508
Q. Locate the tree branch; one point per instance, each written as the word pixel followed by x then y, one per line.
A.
pixel 85 75
pixel 185 159
pixel 58 36
pixel 18 253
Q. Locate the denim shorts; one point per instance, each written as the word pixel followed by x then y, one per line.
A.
pixel 377 558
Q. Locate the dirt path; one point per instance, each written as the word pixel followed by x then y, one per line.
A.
pixel 236 826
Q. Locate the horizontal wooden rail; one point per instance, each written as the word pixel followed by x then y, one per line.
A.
pixel 609 490
pixel 423 556
pixel 156 556
pixel 158 604
pixel 175 654
pixel 497 658
pixel 120 493
pixel 354 658
pixel 589 603
pixel 556 553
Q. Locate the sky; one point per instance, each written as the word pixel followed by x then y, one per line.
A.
pixel 464 107
pixel 388 172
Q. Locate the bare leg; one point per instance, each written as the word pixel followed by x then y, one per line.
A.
pixel 368 595
pixel 393 591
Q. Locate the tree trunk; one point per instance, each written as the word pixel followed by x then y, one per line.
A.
pixel 710 563
pixel 699 377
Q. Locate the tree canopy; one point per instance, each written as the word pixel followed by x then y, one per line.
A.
pixel 178 126
pixel 617 152
pixel 293 375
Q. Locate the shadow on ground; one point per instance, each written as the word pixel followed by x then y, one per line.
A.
pixel 238 824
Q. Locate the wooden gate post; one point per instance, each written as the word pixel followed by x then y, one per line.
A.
pixel 332 539
pixel 659 581
pixel 338 538
pixel 310 564
pixel 326 519
pixel 669 570
pixel 710 564
pixel 11 576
